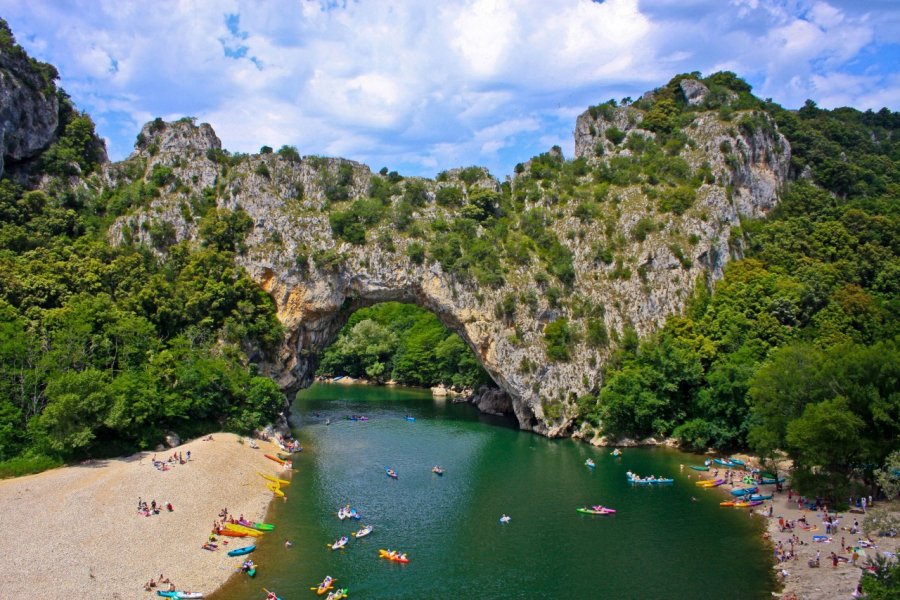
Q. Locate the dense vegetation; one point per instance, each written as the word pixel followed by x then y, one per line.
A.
pixel 797 349
pixel 105 348
pixel 404 343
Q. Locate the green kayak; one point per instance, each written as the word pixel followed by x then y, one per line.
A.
pixel 263 527
pixel 699 468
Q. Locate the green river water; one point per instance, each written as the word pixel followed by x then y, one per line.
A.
pixel 660 544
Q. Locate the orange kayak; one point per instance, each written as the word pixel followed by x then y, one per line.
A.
pixel 231 533
pixel 729 503
pixel 275 458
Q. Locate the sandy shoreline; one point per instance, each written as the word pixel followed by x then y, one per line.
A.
pixel 74 532
pixel 802 581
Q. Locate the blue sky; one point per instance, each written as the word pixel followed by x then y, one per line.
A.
pixel 420 86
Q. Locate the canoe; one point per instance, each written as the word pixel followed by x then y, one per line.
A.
pixel 339 543
pixel 760 496
pixel 729 503
pixel 274 479
pixel 602 511
pixel 327 584
pixel 699 468
pixel 231 533
pixel 363 532
pixel 772 480
pixel 242 551
pixel 396 557
pixel 735 461
pixel 744 491
pixel 275 458
pixel 242 529
pixel 724 463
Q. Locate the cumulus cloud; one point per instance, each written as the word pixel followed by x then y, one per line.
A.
pixel 425 86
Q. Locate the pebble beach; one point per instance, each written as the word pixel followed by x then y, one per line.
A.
pixel 75 532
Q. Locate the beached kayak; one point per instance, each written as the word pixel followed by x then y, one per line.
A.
pixel 275 489
pixel 760 496
pixel 737 462
pixel 243 529
pixel 232 533
pixel 744 491
pixel 710 483
pixel 274 479
pixel 363 532
pixel 699 468
pixel 393 555
pixel 242 551
pixel 275 458
pixel 746 504
pixel 262 526
pixel 772 480
pixel 724 463
pixel 179 594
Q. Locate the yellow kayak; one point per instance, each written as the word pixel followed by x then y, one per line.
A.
pixel 706 483
pixel 274 479
pixel 243 529
pixel 276 489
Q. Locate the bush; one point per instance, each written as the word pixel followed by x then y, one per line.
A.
pixel 678 200
pixel 558 337
pixel 615 135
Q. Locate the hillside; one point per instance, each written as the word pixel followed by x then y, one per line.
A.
pixel 703 254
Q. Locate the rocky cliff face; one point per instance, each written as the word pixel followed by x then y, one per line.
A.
pixel 635 261
pixel 29 109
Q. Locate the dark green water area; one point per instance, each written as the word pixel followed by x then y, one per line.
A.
pixel 660 543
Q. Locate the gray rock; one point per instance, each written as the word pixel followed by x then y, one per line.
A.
pixel 694 91
pixel 172 439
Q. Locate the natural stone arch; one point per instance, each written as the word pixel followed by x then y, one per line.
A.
pixel 317 279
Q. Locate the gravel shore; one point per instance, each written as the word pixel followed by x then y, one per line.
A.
pixel 75 532
pixel 802 581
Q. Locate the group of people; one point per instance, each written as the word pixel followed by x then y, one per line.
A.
pixel 153 508
pixel 176 459
pixel 153 583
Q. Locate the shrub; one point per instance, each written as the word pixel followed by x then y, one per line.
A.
pixel 615 135
pixel 678 200
pixel 558 337
pixel 450 196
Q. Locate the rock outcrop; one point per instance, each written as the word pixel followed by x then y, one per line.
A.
pixel 635 262
pixel 29 108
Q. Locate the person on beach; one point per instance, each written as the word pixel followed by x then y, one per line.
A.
pixel 189 455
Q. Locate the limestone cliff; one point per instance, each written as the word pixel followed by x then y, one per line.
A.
pixel 639 224
pixel 29 109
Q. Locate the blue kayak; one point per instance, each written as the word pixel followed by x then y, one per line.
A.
pixel 242 551
pixel 772 480
pixel 735 461
pixel 409 418
pixel 760 496
pixel 744 491
pixel 724 463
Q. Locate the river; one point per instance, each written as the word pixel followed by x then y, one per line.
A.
pixel 660 543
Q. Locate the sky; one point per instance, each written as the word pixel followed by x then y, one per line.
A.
pixel 420 86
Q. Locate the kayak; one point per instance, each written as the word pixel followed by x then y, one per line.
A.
pixel 724 463
pixel 242 529
pixel 262 526
pixel 274 479
pixel 232 533
pixel 744 491
pixel 591 511
pixel 590 463
pixel 327 584
pixel 710 483
pixel 275 489
pixel 179 594
pixel 363 532
pixel 437 470
pixel 242 551
pixel 338 594
pixel 735 461
pixel 640 481
pixel 699 468
pixel 729 503
pixel 340 543
pixel 393 555
pixel 505 519
pixel 745 504
pixel 617 453
pixel 275 458
pixel 252 572
pixel 348 513
pixel 410 419
pixel 760 496
pixel 390 473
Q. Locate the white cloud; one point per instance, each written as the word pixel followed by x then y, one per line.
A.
pixel 433 85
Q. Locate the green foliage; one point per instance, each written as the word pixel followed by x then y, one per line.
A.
pixel 678 200
pixel 78 150
pixel 881 580
pixel 401 342
pixel 225 229
pixel 559 338
pixel 614 135
pixel 449 196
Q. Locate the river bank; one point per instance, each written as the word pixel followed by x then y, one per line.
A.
pixel 794 549
pixel 75 532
